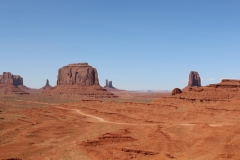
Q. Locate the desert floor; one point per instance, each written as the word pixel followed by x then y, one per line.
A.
pixel 133 126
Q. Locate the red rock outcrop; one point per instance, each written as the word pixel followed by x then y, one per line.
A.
pixel 9 84
pixel 79 79
pixel 193 81
pixel 8 78
pixel 80 73
pixel 225 91
pixel 47 86
pixel 176 91
pixel 10 89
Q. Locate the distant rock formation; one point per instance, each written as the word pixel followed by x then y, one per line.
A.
pixel 47 83
pixel 9 84
pixel 80 73
pixel 47 86
pixel 79 79
pixel 109 87
pixel 35 90
pixel 9 78
pixel 109 84
pixel 176 91
pixel 194 81
pixel 228 90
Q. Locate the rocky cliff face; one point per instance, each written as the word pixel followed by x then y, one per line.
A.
pixel 79 79
pixel 8 78
pixel 194 79
pixel 80 73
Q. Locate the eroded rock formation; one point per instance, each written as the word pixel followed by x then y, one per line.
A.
pixel 9 84
pixel 109 84
pixel 81 74
pixel 9 78
pixel 194 79
pixel 176 91
pixel 47 86
pixel 79 79
pixel 224 92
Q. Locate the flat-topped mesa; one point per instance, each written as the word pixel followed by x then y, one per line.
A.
pixel 194 79
pixel 9 78
pixel 79 79
pixel 78 65
pixel 78 74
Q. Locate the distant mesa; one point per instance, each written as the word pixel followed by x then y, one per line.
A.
pixel 176 91
pixel 9 84
pixel 194 81
pixel 79 79
pixel 79 73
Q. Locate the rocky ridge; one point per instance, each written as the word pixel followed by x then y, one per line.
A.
pixel 226 91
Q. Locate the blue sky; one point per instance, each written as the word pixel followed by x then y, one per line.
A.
pixel 137 44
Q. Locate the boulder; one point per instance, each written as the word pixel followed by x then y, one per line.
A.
pixel 176 91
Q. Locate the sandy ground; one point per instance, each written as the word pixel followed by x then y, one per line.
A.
pixel 67 128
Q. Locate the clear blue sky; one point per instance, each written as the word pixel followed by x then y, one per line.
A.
pixel 137 44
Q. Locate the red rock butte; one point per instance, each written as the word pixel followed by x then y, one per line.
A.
pixel 193 81
pixel 9 84
pixel 79 79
